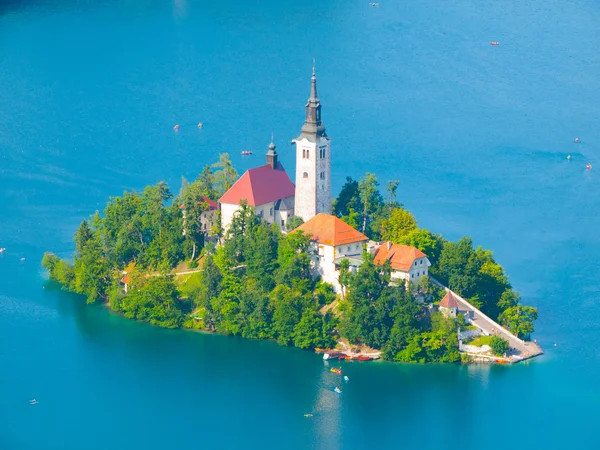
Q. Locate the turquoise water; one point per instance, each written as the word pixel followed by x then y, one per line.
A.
pixel 478 136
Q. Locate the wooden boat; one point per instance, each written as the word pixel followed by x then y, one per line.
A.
pixel 501 361
pixel 322 350
pixel 365 358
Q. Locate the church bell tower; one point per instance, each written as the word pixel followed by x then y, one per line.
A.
pixel 313 161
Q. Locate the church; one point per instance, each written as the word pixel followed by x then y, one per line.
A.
pixel 270 190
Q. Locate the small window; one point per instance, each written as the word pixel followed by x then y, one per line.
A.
pixel 357 246
pixel 260 214
pixel 421 262
pixel 348 248
pixel 270 211
pixel 415 264
pixel 305 175
pixel 412 275
pixel 282 222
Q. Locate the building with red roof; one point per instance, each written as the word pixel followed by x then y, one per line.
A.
pixel 408 263
pixel 449 305
pixel 333 240
pixel 267 188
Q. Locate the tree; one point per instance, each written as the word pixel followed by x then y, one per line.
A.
pixel 225 175
pixel 519 319
pixel 83 234
pixel 345 276
pixel 348 199
pixel 391 188
pixel 498 345
pixel 367 187
pixel 293 223
pixel 429 243
pixel 398 226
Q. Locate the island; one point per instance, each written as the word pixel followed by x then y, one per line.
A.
pixel 262 257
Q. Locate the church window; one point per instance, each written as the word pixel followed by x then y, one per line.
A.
pixel 270 211
pixel 308 154
pixel 421 262
pixel 282 222
pixel 305 175
pixel 260 214
pixel 303 153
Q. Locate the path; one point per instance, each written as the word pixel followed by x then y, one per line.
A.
pixel 522 349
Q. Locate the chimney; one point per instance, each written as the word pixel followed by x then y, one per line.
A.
pixel 389 245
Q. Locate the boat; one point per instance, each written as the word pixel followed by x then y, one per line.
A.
pixel 33 402
pixel 176 127
pixel 569 157
pixel 346 378
pixel 246 152
pixel 200 125
pixel 338 390
pixel 331 355
pixel 365 358
pixel 334 370
pixel 588 166
pixel 501 361
pixel 576 140
pixel 321 350
pixel 374 4
pixel 308 415
pixel 494 43
pixel 2 249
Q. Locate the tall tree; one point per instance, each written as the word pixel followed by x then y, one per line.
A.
pixel 391 188
pixel 367 187
pixel 398 226
pixel 225 174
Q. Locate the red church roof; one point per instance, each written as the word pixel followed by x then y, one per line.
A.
pixel 449 301
pixel 259 186
pixel 329 230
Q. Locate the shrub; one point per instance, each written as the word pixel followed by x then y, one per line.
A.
pixel 498 345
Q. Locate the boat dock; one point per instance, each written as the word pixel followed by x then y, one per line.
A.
pixel 520 350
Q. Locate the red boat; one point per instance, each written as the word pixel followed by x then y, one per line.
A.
pixel 365 358
pixel 334 370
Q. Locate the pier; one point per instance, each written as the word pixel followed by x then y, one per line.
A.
pixel 520 350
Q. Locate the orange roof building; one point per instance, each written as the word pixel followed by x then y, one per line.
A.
pixel 407 262
pixel 330 230
pixel 449 301
pixel 333 240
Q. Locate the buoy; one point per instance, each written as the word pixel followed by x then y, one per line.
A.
pixel 577 140
pixel 200 125
pixel 176 127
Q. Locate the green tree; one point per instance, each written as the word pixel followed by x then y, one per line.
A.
pixel 519 320
pixel 293 223
pixel 429 243
pixel 498 345
pixel 391 188
pixel 83 234
pixel 225 174
pixel 367 187
pixel 398 226
pixel 348 199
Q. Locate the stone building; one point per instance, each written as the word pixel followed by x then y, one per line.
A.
pixel 313 161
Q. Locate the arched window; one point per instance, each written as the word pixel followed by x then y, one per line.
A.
pixel 308 153
pixel 305 175
pixel 303 153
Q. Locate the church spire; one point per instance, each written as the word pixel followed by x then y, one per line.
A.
pixel 313 128
pixel 272 155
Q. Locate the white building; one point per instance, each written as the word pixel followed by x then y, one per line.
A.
pixel 408 263
pixel 267 188
pixel 313 161
pixel 331 241
pixel 449 305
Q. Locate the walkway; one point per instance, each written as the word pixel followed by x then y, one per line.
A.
pixel 520 349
